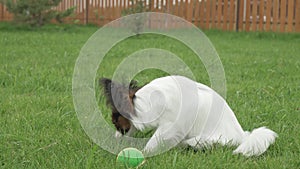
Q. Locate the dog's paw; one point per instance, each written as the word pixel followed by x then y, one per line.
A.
pixel 118 134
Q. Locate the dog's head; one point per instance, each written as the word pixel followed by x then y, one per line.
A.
pixel 120 99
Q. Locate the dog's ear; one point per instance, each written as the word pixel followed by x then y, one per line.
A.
pixel 133 88
pixel 107 87
pixel 133 84
pixel 119 97
pixel 106 84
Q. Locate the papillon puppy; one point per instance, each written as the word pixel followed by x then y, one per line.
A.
pixel 181 111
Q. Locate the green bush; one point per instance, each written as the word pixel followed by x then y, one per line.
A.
pixel 35 12
pixel 137 6
pixel 137 24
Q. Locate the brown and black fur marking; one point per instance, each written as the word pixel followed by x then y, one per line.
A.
pixel 120 99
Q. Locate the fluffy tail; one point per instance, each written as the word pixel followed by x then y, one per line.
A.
pixel 256 142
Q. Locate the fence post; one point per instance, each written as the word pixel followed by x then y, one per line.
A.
pixel 237 16
pixel 86 12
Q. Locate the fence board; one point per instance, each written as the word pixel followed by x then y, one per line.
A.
pixel 248 14
pixel 197 14
pixel 268 15
pixel 290 15
pixel 254 15
pixel 232 13
pixel 202 14
pixel 62 7
pixel 225 13
pixel 282 15
pixel 189 10
pixel 275 15
pixel 261 15
pixel 166 7
pixel 213 13
pixel 208 14
pixel 176 8
pixel 219 13
pixel 184 8
pixel 111 10
pixel 101 13
pixel 241 13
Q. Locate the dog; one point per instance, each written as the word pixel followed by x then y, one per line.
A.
pixel 181 111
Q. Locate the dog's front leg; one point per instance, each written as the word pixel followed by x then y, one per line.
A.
pixel 164 138
pixel 153 142
pixel 131 131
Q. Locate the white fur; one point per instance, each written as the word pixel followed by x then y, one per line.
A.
pixel 257 142
pixel 184 111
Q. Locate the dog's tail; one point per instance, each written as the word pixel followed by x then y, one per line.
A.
pixel 256 142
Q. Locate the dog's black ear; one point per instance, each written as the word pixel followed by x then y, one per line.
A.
pixel 133 88
pixel 106 84
pixel 133 84
pixel 104 81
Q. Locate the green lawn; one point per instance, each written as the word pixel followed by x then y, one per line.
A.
pixel 40 129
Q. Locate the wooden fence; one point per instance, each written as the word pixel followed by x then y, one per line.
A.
pixel 240 15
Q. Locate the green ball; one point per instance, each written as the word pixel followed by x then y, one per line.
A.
pixel 130 157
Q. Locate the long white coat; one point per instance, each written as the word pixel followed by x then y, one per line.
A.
pixel 184 111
